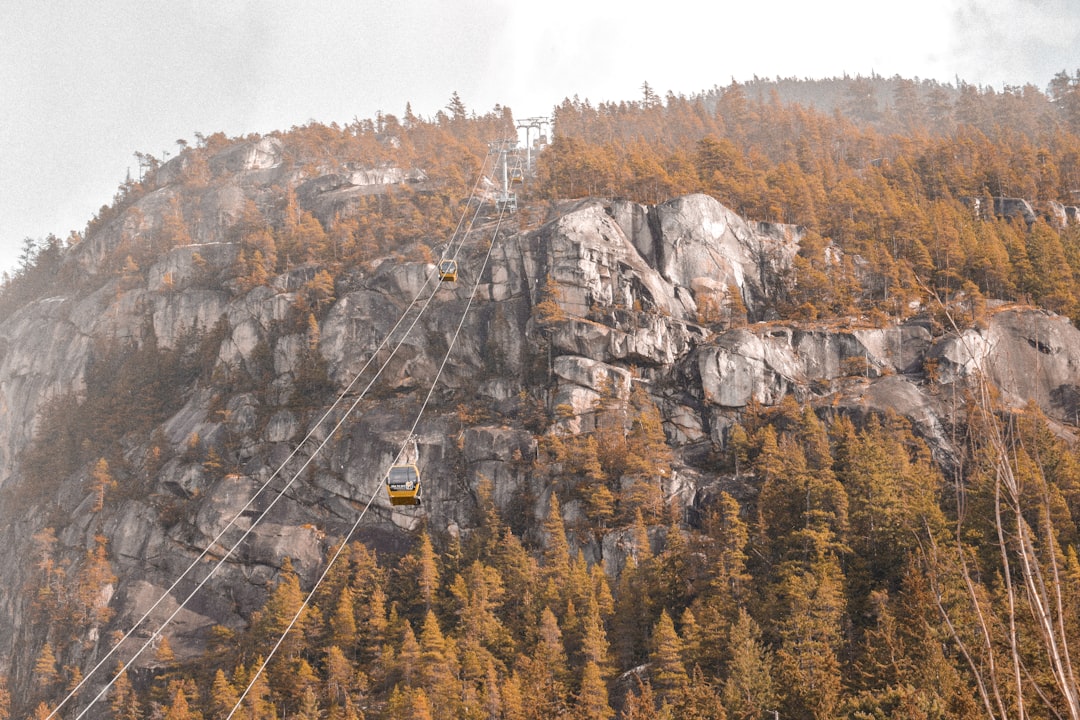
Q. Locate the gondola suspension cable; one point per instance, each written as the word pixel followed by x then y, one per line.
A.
pixel 461 323
pixel 472 222
pixel 378 487
pixel 262 515
pixel 278 471
pixel 231 523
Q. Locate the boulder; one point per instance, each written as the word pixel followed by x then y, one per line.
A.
pixel 897 394
pixel 593 375
pixel 492 453
pixel 579 404
pixel 1053 212
pixel 261 154
pixel 1029 355
pixel 1010 207
pixel 191 264
pixel 743 366
pixel 699 237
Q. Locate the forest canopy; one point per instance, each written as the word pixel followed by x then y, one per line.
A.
pixel 900 174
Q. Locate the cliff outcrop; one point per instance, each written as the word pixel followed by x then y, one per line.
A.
pixel 679 298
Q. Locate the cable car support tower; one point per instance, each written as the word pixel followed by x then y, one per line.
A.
pixel 538 124
pixel 508 165
pixel 513 163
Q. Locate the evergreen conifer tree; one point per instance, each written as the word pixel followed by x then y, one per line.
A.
pixel 592 699
pixel 223 696
pixel 343 621
pixel 122 698
pixel 696 700
pixel 178 708
pixel 556 557
pixel 544 672
pixel 46 673
pixel 641 705
pixel 667 670
pixel 749 687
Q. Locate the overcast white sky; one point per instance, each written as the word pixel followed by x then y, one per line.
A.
pixel 85 85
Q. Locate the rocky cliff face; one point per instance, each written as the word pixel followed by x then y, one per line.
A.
pixel 679 298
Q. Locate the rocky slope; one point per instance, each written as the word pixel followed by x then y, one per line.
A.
pixel 679 298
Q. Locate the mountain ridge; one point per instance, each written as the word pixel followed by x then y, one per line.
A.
pixel 626 371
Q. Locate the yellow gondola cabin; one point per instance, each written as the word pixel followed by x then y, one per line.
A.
pixel 448 271
pixel 403 485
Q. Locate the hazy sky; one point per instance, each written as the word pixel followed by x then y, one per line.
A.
pixel 85 85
